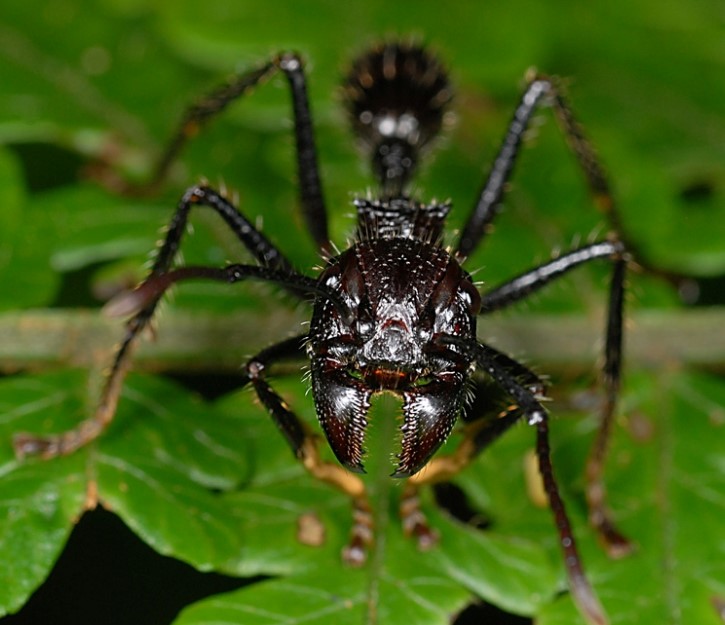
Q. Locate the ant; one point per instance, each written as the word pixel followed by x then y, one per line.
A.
pixel 395 311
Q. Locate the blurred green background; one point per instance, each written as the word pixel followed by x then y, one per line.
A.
pixel 89 82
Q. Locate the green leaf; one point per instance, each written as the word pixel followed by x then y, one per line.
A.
pixel 667 487
pixel 38 510
pixel 88 83
pixel 319 598
pixel 24 268
pixel 155 468
pixel 400 582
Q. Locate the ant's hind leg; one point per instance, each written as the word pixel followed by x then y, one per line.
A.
pixel 215 102
pixel 531 281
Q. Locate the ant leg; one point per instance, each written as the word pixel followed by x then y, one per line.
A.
pixel 530 407
pixel 311 196
pixel 304 443
pixel 615 543
pixel 600 188
pixel 256 243
pixel 149 292
pixel 53 445
pixel 259 246
pixel 530 281
pixel 582 592
pixel 201 112
pixel 202 195
pixel 539 91
pixel 477 435
pixel 143 301
pixel 542 90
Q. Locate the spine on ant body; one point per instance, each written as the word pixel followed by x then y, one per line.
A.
pixel 397 96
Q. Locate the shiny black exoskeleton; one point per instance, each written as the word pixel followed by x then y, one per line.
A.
pixel 404 292
pixel 395 311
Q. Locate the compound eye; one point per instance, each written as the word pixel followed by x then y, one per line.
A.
pixel 471 296
pixel 352 281
pixel 447 286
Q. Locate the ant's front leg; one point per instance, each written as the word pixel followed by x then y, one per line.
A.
pixel 528 403
pixel 142 301
pixel 304 443
pixel 480 431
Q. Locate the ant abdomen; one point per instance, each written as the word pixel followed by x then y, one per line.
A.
pixel 396 95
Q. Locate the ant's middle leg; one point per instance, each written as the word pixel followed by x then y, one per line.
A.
pixel 142 303
pixel 304 444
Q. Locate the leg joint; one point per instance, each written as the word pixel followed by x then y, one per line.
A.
pixel 255 369
pixel 289 62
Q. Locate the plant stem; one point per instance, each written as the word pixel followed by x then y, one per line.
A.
pixel 206 342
